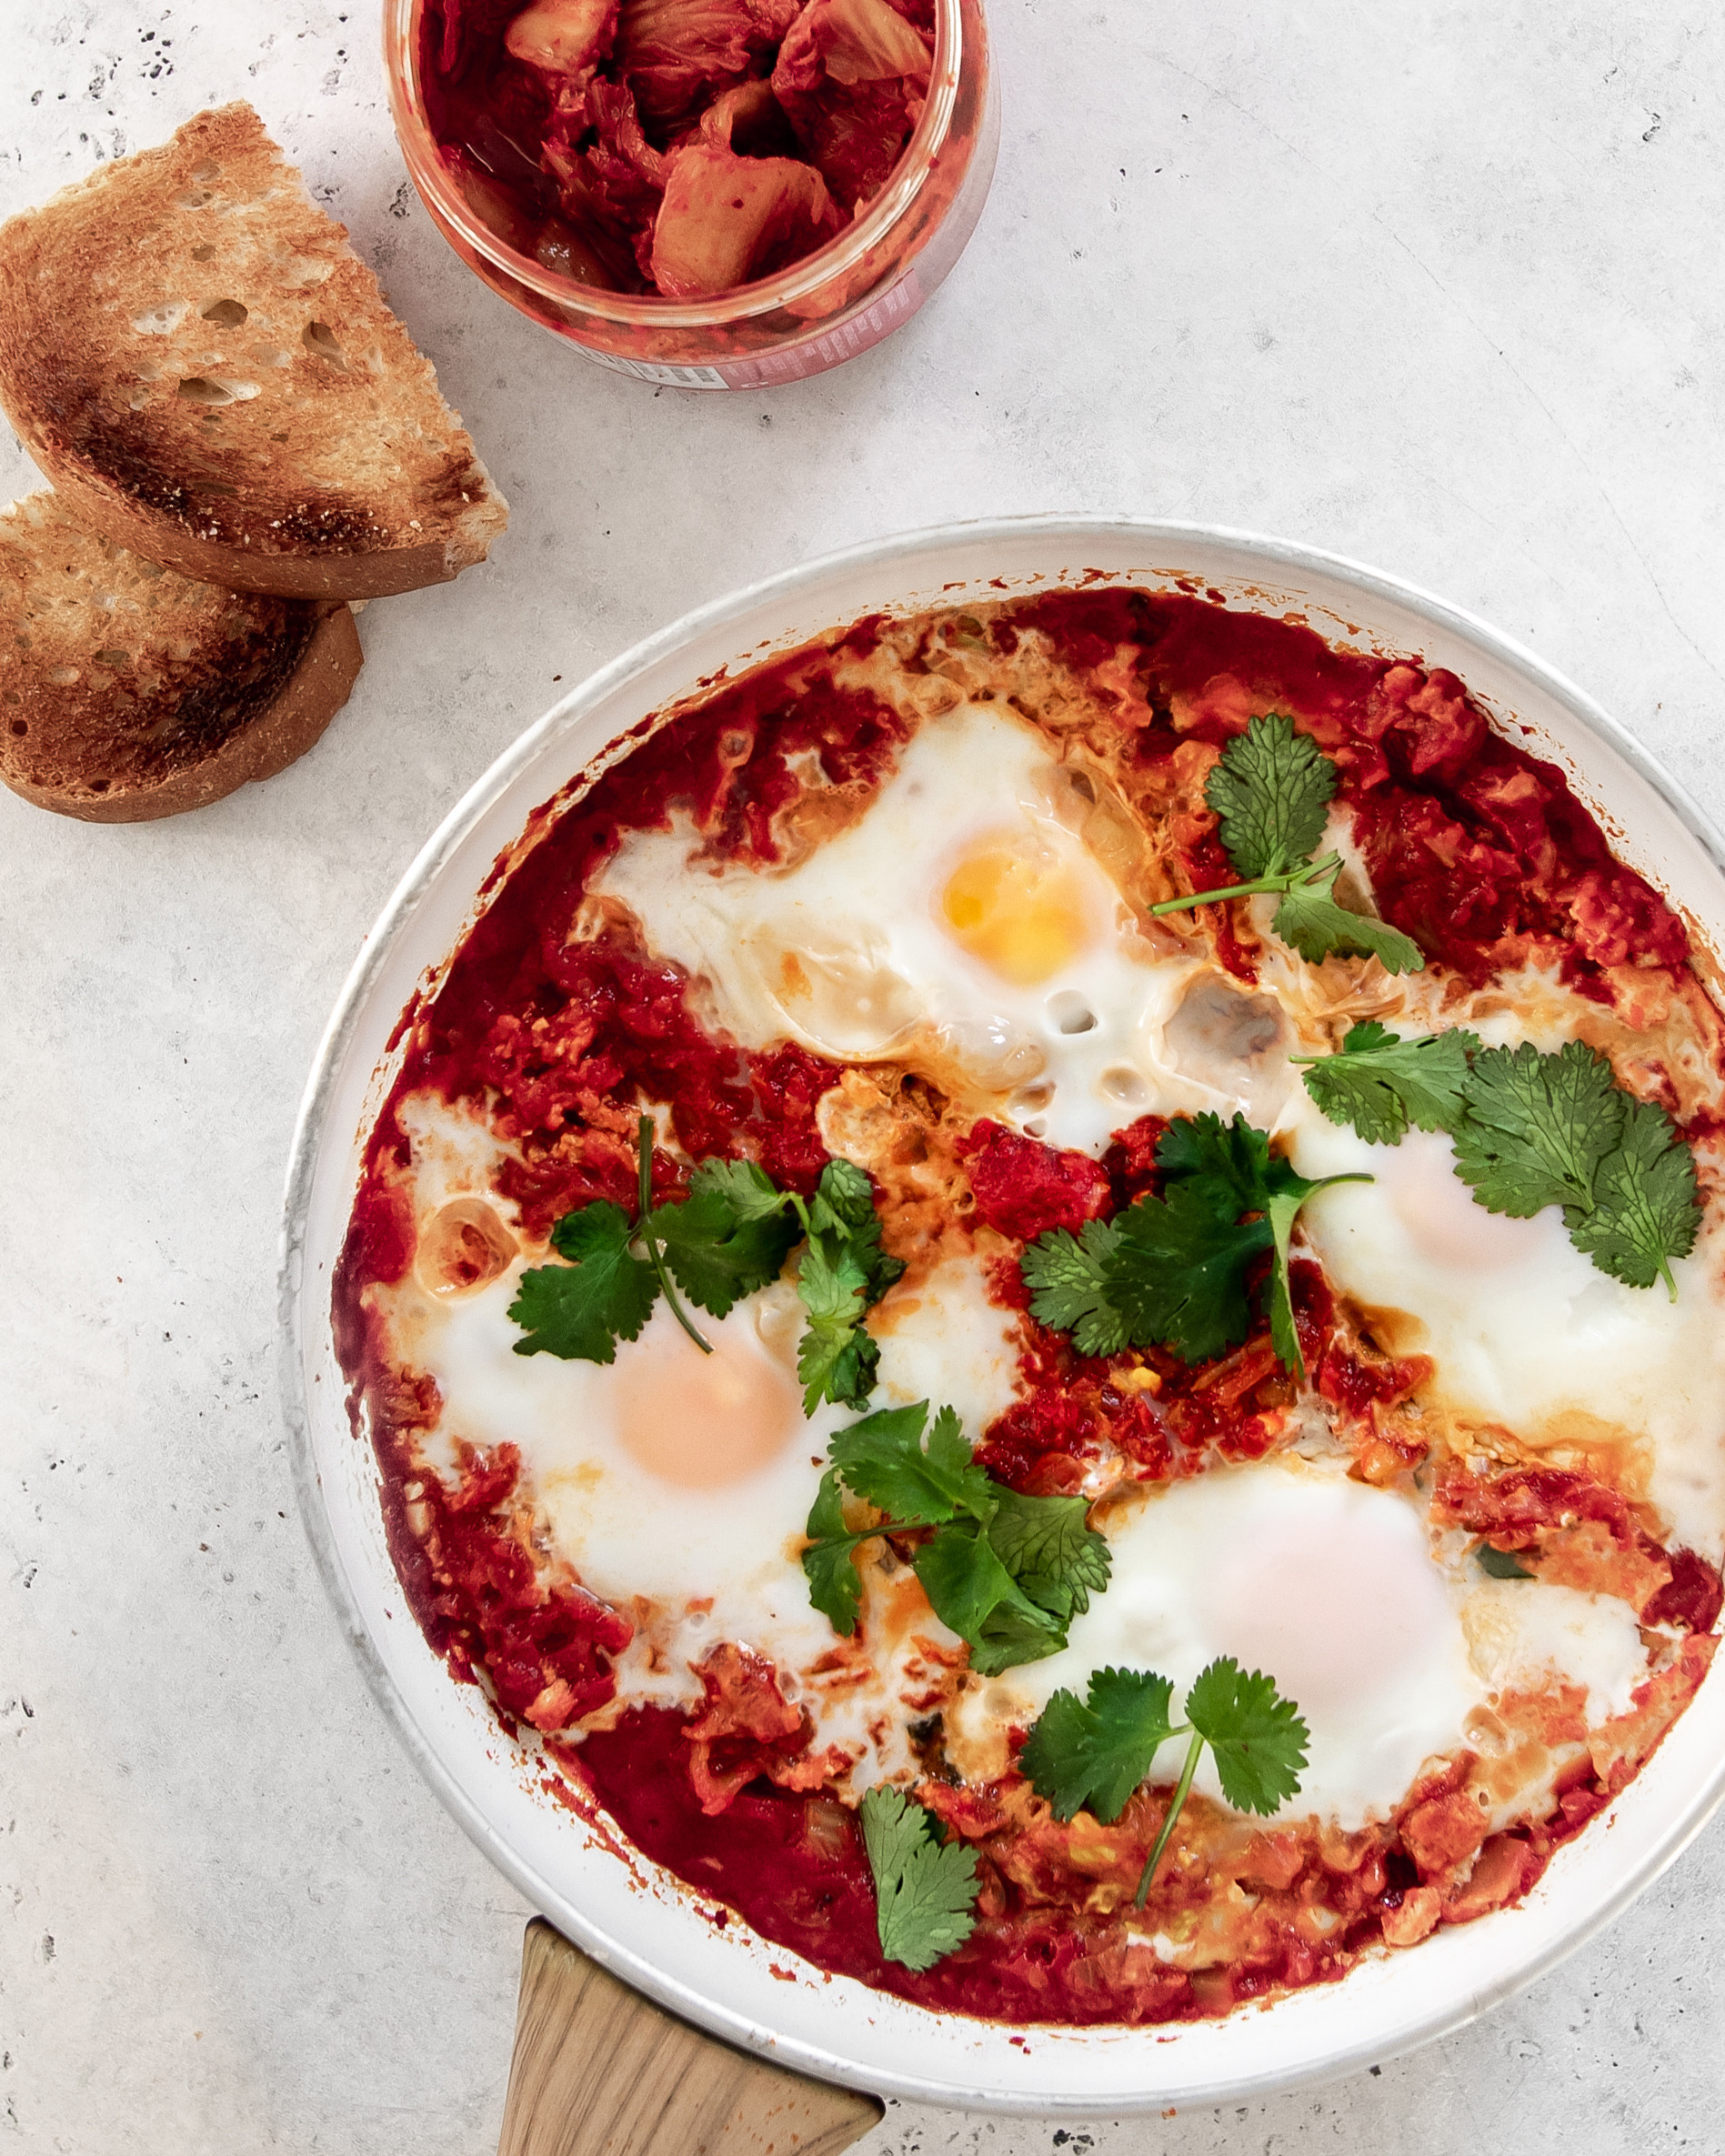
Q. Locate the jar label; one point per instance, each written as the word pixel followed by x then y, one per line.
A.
pixel 796 363
pixel 675 377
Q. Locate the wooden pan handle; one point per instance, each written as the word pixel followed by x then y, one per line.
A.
pixel 598 2070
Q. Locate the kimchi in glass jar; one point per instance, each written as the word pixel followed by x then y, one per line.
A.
pixel 499 162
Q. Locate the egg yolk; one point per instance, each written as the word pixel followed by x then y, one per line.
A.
pixel 1333 1616
pixel 701 1420
pixel 1023 914
pixel 1443 1219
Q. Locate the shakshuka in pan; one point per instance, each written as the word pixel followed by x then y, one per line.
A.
pixel 1043 1299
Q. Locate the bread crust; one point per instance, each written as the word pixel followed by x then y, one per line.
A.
pixel 129 692
pixel 101 507
pixel 314 692
pixel 211 377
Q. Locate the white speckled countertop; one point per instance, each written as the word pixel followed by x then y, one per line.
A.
pixel 1436 285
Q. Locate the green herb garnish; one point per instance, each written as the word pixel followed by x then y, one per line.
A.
pixel 730 1236
pixel 1530 1130
pixel 603 1295
pixel 1091 1754
pixel 1171 1271
pixel 1381 1084
pixel 925 1889
pixel 1271 791
pixel 1007 1572
pixel 843 1272
pixel 1543 1130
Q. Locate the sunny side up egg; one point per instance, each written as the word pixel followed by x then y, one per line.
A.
pixel 1331 1587
pixel 962 924
pixel 675 1483
pixel 1527 1333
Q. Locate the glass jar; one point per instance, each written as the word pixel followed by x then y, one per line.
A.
pixel 814 315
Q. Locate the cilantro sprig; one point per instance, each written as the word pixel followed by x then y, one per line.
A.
pixel 1530 1130
pixel 843 1272
pixel 604 1293
pixel 1172 1271
pixel 1007 1572
pixel 1091 1754
pixel 1381 1084
pixel 1271 791
pixel 925 1889
pixel 730 1236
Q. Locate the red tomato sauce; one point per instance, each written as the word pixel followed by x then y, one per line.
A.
pixel 1476 849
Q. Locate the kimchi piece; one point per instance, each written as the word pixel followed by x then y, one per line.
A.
pixel 852 75
pixel 680 146
pixel 875 926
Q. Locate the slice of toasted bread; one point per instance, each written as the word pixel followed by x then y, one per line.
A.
pixel 210 376
pixel 127 691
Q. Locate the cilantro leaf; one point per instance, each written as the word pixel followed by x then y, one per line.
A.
pixel 970 1590
pixel 1530 1130
pixel 1500 1564
pixel 749 1190
pixel 832 1280
pixel 1064 1274
pixel 1050 1548
pixel 1177 1274
pixel 925 1889
pixel 1005 1571
pixel 843 1208
pixel 1271 790
pixel 1181 1264
pixel 833 1358
pixel 829 1564
pixel 1256 1738
pixel 1645 1207
pixel 1538 1128
pixel 883 1460
pixel 718 1256
pixel 842 1273
pixel 837 1360
pixel 840 1366
pixel 1091 1754
pixel 1013 1634
pixel 1224 1164
pixel 844 1198
pixel 728 1237
pixel 1172 1271
pixel 1381 1083
pixel 580 1311
pixel 1309 919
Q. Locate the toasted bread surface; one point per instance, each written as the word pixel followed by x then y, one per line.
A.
pixel 210 376
pixel 127 691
